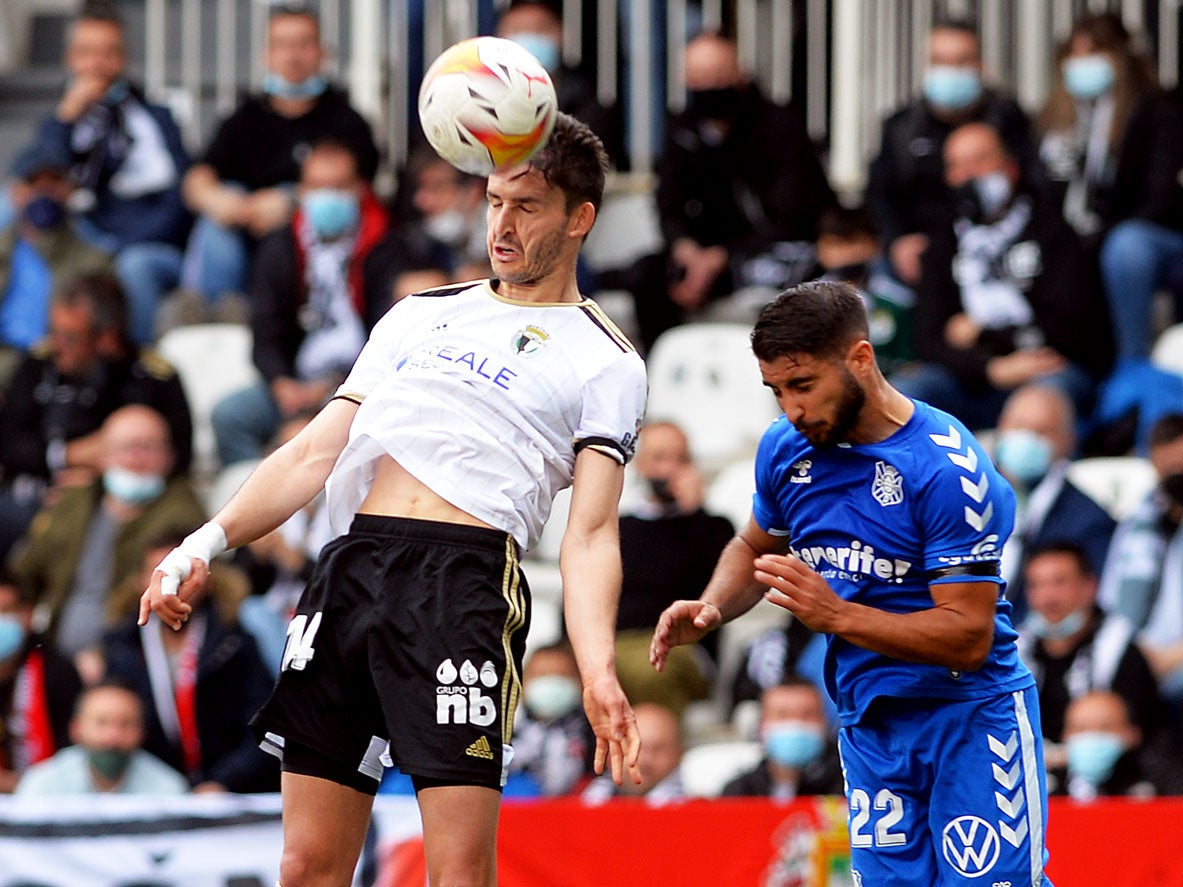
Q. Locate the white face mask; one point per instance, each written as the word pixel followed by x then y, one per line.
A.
pixel 449 227
pixel 552 696
pixel 131 486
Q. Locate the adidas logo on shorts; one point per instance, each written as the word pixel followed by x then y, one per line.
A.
pixel 480 749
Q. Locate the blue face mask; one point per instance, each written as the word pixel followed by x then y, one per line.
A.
pixel 1088 77
pixel 12 635
pixel 1023 455
pixel 275 85
pixel 1093 755
pixel 131 486
pixel 552 696
pixel 44 213
pixel 542 47
pixel 330 212
pixel 1038 625
pixel 794 743
pixel 951 87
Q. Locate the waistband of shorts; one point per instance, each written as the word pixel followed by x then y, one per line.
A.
pixel 417 530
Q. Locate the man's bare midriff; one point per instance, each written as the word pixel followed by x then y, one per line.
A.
pixel 398 493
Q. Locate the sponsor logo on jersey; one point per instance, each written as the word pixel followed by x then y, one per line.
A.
pixel 480 749
pixel 464 703
pixel 970 845
pixel 529 340
pixel 801 473
pixel 856 559
pixel 888 486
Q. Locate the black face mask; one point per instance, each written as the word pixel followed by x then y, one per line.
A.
pixel 1172 486
pixel 660 487
pixel 983 199
pixel 715 104
pixel 855 272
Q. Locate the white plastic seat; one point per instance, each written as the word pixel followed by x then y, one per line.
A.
pixel 627 228
pixel 1117 483
pixel 1167 353
pixel 705 378
pixel 730 493
pixel 213 360
pixel 227 482
pixel 705 769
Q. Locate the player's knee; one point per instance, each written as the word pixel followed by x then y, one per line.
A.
pixel 309 867
pixel 464 873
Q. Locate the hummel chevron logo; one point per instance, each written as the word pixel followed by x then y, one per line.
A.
pixel 1005 779
pixel 1012 807
pixel 951 441
pixel 1013 836
pixel 1006 752
pixel 979 521
pixel 977 491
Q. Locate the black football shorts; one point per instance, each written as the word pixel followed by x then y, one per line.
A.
pixel 411 632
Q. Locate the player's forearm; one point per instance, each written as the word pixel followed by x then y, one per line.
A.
pixel 938 636
pixel 732 588
pixel 591 574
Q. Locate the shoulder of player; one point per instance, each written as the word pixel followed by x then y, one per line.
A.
pixel 448 289
pixel 597 317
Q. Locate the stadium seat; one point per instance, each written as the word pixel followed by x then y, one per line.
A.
pixel 704 377
pixel 1117 483
pixel 213 360
pixel 226 484
pixel 626 229
pixel 705 769
pixel 1167 353
pixel 730 493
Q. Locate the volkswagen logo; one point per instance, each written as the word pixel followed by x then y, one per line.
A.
pixel 970 845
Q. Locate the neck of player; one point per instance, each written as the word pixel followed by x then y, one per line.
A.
pixel 885 412
pixel 558 286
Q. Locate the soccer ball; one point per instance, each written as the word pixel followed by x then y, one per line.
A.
pixel 487 104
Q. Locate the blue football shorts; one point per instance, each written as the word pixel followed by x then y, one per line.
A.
pixel 947 792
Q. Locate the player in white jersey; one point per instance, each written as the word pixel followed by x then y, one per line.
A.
pixel 468 409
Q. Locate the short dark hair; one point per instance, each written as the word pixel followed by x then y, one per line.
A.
pixel 103 294
pixel 1167 429
pixel 574 161
pixel 99 11
pixel 822 318
pixel 296 8
pixel 846 223
pixel 332 143
pixel 957 23
pixel 108 682
pixel 1066 547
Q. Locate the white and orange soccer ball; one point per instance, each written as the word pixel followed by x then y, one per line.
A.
pixel 487 104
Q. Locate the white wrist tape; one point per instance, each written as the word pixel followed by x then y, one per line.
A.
pixel 205 543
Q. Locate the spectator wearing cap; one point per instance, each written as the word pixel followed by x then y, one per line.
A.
pixel 40 249
pixel 127 161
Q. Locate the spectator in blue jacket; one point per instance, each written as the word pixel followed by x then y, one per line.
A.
pixel 128 160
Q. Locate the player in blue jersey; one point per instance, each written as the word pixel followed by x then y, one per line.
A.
pixel 879 521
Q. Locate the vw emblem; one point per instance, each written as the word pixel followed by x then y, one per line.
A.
pixel 970 845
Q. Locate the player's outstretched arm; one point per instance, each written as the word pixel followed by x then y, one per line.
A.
pixel 732 591
pixel 589 561
pixel 284 482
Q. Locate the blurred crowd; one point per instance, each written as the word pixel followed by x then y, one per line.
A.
pixel 1017 271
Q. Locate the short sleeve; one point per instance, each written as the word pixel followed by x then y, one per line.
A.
pixel 765 508
pixel 966 513
pixel 613 409
pixel 379 357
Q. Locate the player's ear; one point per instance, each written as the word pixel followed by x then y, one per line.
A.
pixel 861 357
pixel 580 222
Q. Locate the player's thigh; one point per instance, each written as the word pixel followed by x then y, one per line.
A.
pixel 887 791
pixel 324 827
pixel 460 833
pixel 989 805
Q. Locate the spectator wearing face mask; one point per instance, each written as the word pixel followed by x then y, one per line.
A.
pixel 1143 578
pixel 311 307
pixel 538 27
pixel 659 759
pixel 906 188
pixel 107 755
pixel 669 546
pixel 800 752
pixel 38 689
pixel 243 186
pixel 1108 756
pixel 1036 443
pixel 80 547
pixel 552 741
pixel 1005 297
pixel 39 251
pixel 1113 145
pixel 1072 646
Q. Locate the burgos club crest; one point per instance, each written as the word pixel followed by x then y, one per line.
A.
pixel 529 340
pixel 888 486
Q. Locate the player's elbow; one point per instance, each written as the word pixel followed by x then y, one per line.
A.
pixel 972 651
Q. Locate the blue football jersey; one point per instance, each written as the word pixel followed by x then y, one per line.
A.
pixel 881 523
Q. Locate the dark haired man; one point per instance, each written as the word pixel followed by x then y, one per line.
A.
pixel 468 409
pixel 879 521
pixel 244 185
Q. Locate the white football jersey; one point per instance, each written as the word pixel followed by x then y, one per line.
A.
pixel 486 401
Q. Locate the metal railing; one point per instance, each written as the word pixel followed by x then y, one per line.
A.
pixel 847 62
